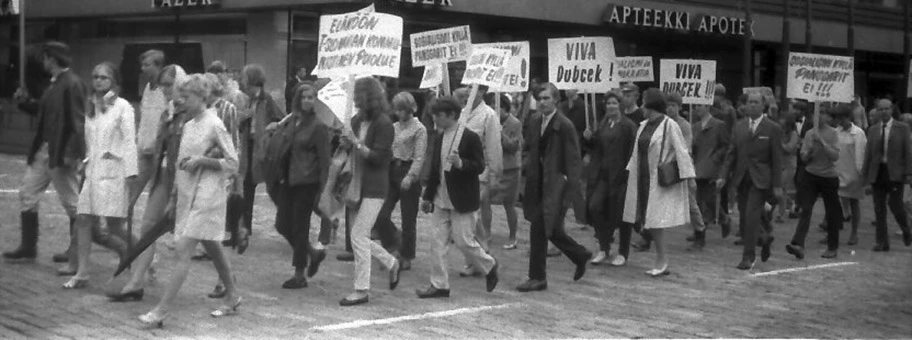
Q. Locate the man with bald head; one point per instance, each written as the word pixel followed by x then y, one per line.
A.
pixel 888 140
pixel 754 163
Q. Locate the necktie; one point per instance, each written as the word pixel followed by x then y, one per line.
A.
pixel 753 125
pixel 883 137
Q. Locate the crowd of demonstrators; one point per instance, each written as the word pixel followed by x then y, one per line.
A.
pixel 203 143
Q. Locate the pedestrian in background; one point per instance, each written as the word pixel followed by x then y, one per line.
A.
pixel 888 165
pixel 153 103
pixel 790 144
pixel 110 166
pixel 507 191
pixel 849 167
pixel 711 140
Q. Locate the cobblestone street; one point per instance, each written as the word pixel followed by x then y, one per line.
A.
pixel 860 294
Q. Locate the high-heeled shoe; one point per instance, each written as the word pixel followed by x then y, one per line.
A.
pixel 658 272
pixel 133 295
pixel 226 310
pixel 151 320
pixel 76 283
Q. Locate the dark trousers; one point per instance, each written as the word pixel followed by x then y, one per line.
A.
pixel 706 199
pixel 750 205
pixel 887 192
pixel 293 211
pixel 606 207
pixel 408 207
pixel 249 196
pixel 538 244
pixel 811 187
pixel 233 214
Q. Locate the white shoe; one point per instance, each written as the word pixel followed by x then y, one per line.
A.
pixel 619 261
pixel 599 258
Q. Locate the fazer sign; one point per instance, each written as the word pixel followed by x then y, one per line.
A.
pixel 675 20
pixel 185 3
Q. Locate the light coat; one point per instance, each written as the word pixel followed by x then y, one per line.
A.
pixel 666 206
pixel 111 153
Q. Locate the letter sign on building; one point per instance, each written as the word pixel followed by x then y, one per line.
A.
pixel 185 3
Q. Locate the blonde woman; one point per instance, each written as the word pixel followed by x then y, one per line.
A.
pixel 110 164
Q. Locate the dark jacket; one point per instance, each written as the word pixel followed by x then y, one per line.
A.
pixel 758 155
pixel 710 145
pixel 263 111
pixel 310 152
pixel 462 184
pixel 379 139
pixel 899 152
pixel 61 121
pixel 167 143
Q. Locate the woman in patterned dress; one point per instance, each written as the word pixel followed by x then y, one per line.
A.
pixel 200 197
pixel 111 161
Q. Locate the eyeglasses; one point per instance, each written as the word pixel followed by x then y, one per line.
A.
pixel 100 77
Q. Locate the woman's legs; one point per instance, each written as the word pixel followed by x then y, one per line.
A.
pixel 223 267
pixel 364 247
pixel 856 220
pixel 84 225
pixel 658 237
pixel 153 214
pixel 185 248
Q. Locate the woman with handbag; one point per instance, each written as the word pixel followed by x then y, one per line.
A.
pixel 660 170
pixel 370 153
pixel 110 165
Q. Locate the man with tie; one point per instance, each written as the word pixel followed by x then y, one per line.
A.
pixel 553 168
pixel 710 145
pixel 889 141
pixel 756 155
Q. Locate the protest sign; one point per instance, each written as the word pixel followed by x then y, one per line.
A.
pixel 517 77
pixel 694 79
pixel 486 66
pixel 821 78
pixel 433 76
pixel 441 46
pixel 359 43
pixel 631 69
pixel 582 63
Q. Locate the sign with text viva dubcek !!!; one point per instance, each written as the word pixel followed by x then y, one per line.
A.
pixel 695 80
pixel 821 78
pixel 517 70
pixel 364 43
pixel 441 46
pixel 486 66
pixel 582 63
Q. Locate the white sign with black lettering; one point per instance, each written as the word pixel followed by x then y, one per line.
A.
pixel 582 63
pixel 441 46
pixel 694 80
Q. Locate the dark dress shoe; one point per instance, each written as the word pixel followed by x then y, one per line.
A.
pixel 726 228
pixel 532 286
pixel 738 242
pixel 432 292
pixel 641 246
pixel 881 248
pixel 907 238
pixel 61 258
pixel 405 264
pixel 581 268
pixel 491 279
pixel 136 295
pixel 218 292
pixel 699 241
pixel 201 257
pixel 829 254
pixel 796 250
pixel 746 264
pixel 853 240
pixel 690 238
pixel 295 283
pixel 394 275
pixel 345 302
pixel 765 251
pixel 346 257
pixel 315 259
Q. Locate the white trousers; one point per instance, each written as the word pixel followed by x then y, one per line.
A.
pixel 459 227
pixel 363 246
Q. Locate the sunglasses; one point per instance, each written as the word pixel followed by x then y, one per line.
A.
pixel 100 77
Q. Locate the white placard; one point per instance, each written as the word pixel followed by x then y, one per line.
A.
pixel 359 43
pixel 694 79
pixel 486 66
pixel 821 77
pixel 433 76
pixel 517 77
pixel 441 46
pixel 582 63
pixel 632 69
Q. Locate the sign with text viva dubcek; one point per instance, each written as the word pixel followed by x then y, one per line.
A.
pixel 364 43
pixel 695 80
pixel 486 66
pixel 517 70
pixel 821 77
pixel 582 63
pixel 441 46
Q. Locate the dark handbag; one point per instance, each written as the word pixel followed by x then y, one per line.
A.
pixel 667 172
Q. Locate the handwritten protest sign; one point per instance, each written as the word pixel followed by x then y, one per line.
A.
pixel 582 63
pixel 695 80
pixel 630 69
pixel 486 66
pixel 517 77
pixel 359 43
pixel 433 76
pixel 821 78
pixel 441 46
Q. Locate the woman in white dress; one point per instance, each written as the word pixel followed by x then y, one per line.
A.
pixel 201 190
pixel 110 163
pixel 849 166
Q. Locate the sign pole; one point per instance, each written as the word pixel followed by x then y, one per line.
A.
pixel 22 45
pixel 586 105
pixel 497 103
pixel 468 108
pixel 445 84
pixel 595 110
pixel 816 114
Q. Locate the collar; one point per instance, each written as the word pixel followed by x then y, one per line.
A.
pixel 54 78
pixel 106 101
pixel 757 121
pixel 299 79
pixel 548 115
pixel 889 123
pixel 632 109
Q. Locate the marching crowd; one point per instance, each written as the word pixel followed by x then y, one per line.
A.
pixel 638 164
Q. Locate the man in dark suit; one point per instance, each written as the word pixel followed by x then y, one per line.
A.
pixel 755 164
pixel 888 140
pixel 553 168
pixel 299 77
pixel 711 139
pixel 453 195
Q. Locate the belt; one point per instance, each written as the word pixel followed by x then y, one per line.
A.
pixel 399 162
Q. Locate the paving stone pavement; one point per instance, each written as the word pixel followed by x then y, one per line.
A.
pixel 704 297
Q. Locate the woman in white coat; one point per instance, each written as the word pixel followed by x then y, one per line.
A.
pixel 110 163
pixel 659 140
